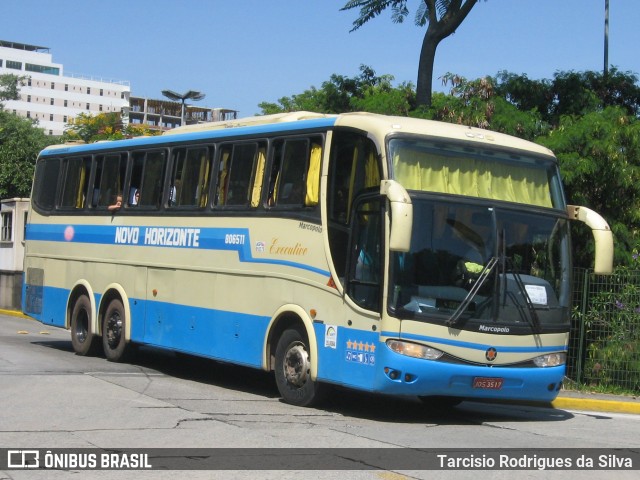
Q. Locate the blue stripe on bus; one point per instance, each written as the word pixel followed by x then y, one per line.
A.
pixel 477 346
pixel 206 239
pixel 222 133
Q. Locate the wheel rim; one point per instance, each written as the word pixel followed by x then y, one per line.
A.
pixel 296 365
pixel 82 326
pixel 114 329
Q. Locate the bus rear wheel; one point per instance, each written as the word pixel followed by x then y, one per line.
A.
pixel 113 332
pixel 84 341
pixel 293 371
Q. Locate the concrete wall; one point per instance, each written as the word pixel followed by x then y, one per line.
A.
pixel 10 290
pixel 13 210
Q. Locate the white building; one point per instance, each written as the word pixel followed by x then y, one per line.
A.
pixel 52 98
pixel 13 218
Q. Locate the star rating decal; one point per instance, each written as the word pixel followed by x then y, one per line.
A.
pixel 361 346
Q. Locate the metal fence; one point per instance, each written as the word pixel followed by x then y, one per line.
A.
pixel 604 345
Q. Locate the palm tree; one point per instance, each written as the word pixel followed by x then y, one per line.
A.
pixel 443 17
pixel 183 97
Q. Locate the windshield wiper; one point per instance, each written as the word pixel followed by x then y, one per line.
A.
pixel 484 274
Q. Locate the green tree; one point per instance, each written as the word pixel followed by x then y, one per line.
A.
pixel 476 103
pixel 104 126
pixel 385 99
pixel 10 86
pixel 570 93
pixel 599 156
pixel 346 94
pixel 443 17
pixel 20 142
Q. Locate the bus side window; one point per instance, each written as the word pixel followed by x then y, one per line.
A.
pixel 75 182
pixel 295 173
pixel 147 178
pixel 46 182
pixel 108 182
pixel 153 179
pixel 190 179
pixel 240 174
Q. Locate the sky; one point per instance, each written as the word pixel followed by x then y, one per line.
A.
pixel 243 52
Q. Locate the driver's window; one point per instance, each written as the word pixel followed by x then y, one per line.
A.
pixel 366 255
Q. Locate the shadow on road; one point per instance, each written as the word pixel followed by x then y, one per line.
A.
pixel 342 401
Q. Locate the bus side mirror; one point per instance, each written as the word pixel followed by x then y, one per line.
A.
pixel 603 264
pixel 401 215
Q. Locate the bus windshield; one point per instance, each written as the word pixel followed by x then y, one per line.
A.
pixel 483 268
pixel 449 168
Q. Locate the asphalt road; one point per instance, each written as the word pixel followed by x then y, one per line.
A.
pixel 51 398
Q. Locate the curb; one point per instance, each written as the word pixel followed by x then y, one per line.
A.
pixel 597 405
pixel 15 313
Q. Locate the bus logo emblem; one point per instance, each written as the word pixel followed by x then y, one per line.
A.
pixel 491 354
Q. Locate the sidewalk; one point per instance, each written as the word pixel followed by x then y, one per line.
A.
pixel 566 400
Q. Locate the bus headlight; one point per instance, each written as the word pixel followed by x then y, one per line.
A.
pixel 550 360
pixel 414 350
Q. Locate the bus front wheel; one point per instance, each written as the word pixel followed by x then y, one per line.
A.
pixel 293 370
pixel 82 338
pixel 113 332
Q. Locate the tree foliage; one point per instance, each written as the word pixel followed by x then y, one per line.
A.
pixel 443 18
pixel 104 126
pixel 476 103
pixel 20 142
pixel 364 92
pixel 599 155
pixel 10 86
pixel 570 93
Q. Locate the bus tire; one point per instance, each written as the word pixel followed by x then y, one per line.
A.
pixel 113 332
pixel 293 370
pixel 84 341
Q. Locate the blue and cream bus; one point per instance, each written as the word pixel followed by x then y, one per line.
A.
pixel 385 254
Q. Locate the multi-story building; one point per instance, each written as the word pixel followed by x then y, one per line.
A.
pixel 53 98
pixel 165 114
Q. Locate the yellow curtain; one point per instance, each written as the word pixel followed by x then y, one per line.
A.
pixel 371 172
pixel 80 194
pixel 472 177
pixel 203 182
pixel 313 176
pixel 257 184
pixel 352 181
pixel 222 178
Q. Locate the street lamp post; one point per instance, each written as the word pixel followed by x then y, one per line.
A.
pixel 183 97
pixel 606 38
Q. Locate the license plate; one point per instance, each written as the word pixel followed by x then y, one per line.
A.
pixel 488 383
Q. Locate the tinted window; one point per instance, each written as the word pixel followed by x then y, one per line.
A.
pixel 46 183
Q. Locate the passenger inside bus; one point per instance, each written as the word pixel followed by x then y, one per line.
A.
pixel 134 196
pixel 116 205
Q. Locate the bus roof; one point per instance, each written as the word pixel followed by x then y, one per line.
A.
pixel 379 125
pixel 382 125
pixel 249 121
